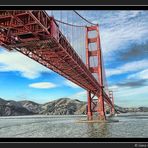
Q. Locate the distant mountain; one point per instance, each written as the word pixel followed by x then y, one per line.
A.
pixel 130 109
pixel 12 108
pixel 62 106
pixel 31 106
pixel 143 109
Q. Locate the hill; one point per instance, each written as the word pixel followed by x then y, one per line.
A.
pixel 62 106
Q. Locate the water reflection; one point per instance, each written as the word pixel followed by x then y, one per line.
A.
pixel 99 130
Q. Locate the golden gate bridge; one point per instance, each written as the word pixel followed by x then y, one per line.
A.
pixel 66 43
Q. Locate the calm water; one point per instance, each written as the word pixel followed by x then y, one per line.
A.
pixel 129 125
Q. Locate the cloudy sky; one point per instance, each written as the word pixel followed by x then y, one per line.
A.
pixel 124 39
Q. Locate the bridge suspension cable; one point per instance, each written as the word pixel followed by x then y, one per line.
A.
pixel 84 18
pixel 68 24
pixel 73 24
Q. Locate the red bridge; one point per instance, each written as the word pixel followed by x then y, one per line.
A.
pixel 39 36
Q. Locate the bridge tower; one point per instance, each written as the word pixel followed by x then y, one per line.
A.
pixel 112 110
pixel 98 70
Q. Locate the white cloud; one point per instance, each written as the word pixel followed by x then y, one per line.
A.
pixel 71 84
pixel 128 67
pixel 113 87
pixel 121 29
pixel 131 97
pixel 131 92
pixel 82 95
pixel 139 75
pixel 15 61
pixel 42 85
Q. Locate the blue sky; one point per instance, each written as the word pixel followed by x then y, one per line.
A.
pixel 124 40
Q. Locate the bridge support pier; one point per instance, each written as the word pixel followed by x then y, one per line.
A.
pixel 89 104
pixel 93 106
pixel 101 108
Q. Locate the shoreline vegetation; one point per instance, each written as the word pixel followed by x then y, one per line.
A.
pixel 62 106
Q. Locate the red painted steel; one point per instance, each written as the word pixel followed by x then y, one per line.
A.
pixel 98 70
pixel 37 35
pixel 112 110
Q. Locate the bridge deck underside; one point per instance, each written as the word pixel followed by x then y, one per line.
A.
pixel 58 60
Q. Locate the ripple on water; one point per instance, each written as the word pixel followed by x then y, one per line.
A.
pixel 130 125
